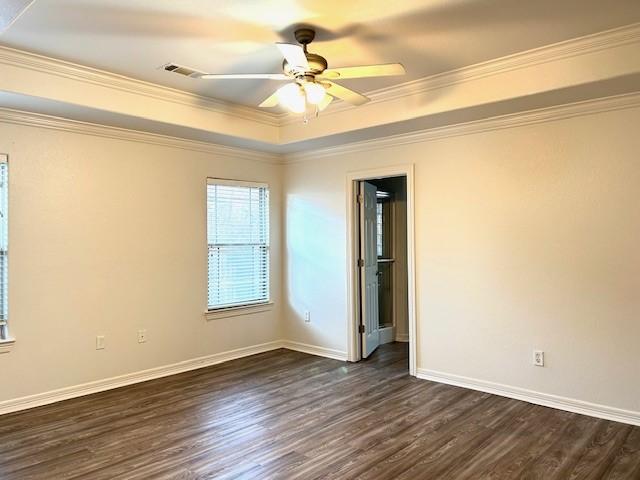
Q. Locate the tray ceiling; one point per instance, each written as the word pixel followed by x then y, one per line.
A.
pixel 135 37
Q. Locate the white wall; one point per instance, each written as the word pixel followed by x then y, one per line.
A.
pixel 526 238
pixel 108 236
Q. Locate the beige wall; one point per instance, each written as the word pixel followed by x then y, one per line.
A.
pixel 526 238
pixel 106 237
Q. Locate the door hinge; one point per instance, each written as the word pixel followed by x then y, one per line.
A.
pixel 360 262
pixel 360 198
pixel 360 328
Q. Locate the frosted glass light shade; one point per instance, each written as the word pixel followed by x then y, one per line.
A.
pixel 291 96
pixel 315 92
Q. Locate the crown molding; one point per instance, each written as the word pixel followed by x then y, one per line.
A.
pixel 19 117
pixel 549 53
pixel 518 119
pixel 81 73
pixel 623 36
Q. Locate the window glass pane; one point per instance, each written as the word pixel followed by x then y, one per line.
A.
pixel 379 228
pixel 238 243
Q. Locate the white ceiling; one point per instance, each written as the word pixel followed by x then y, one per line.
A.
pixel 135 37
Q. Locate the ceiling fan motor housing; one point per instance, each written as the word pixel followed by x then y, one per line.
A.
pixel 317 65
pixel 304 36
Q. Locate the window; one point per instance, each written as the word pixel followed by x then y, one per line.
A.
pixel 4 277
pixel 379 227
pixel 238 242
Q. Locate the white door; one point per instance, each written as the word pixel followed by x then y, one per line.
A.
pixel 369 269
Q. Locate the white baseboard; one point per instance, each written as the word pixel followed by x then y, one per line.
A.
pixel 315 350
pixel 545 399
pixel 387 335
pixel 539 398
pixel 45 398
pixel 22 403
pixel 402 337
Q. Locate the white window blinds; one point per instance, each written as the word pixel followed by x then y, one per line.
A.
pixel 4 237
pixel 238 242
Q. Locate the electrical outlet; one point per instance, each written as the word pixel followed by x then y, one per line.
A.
pixel 100 343
pixel 538 358
pixel 307 316
pixel 142 336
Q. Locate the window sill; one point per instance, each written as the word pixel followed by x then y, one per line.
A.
pixel 7 345
pixel 237 311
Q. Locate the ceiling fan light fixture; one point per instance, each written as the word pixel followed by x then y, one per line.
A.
pixel 325 102
pixel 315 92
pixel 309 77
pixel 292 97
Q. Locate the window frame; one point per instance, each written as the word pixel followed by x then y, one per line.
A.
pixel 6 340
pixel 387 207
pixel 250 306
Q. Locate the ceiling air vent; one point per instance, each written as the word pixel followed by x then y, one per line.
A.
pixel 181 70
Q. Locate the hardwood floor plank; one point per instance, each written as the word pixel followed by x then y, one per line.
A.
pixel 288 415
pixel 544 425
pixel 435 451
pixel 626 462
pixel 597 457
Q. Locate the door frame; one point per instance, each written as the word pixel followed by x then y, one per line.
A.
pixel 353 252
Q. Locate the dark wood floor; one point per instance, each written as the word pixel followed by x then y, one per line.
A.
pixel 289 415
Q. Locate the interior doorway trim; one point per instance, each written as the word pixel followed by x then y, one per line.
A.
pixel 354 353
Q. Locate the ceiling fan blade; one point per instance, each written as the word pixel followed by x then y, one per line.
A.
pixel 343 93
pixel 240 76
pixel 294 55
pixel 271 101
pixel 383 70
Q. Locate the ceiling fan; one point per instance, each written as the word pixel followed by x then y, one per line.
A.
pixel 311 81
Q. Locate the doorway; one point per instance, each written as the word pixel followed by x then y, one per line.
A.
pixel 382 278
